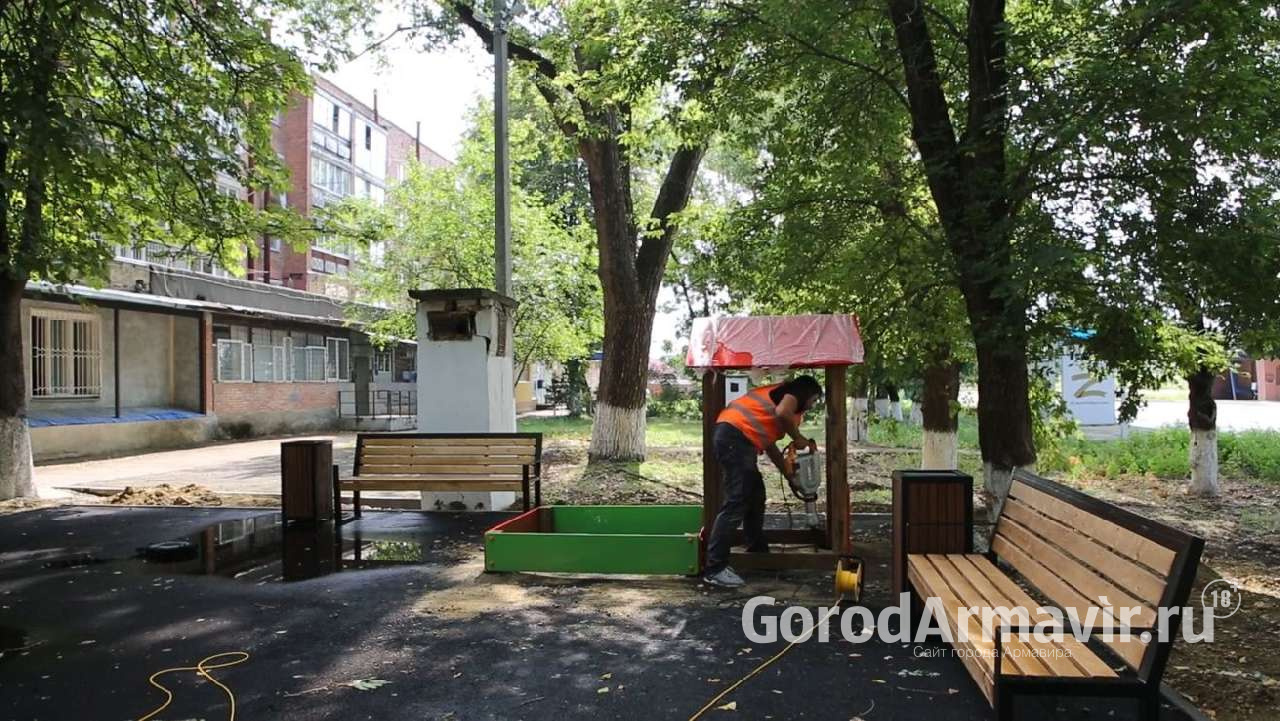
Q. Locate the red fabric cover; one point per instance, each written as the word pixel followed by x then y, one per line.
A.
pixel 790 341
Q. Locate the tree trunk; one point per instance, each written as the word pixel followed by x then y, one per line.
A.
pixel 938 405
pixel 16 476
pixel 1202 417
pixel 858 409
pixel 1004 413
pixel 895 402
pixel 617 432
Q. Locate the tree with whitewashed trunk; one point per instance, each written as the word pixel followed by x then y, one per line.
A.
pixel 1182 218
pixel 632 84
pixel 839 220
pixel 117 120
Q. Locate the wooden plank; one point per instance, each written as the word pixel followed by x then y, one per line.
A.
pixel 460 478
pixel 1053 657
pixel 489 450
pixel 374 469
pixel 1124 573
pixel 384 441
pixel 1122 540
pixel 1091 585
pixel 1063 594
pixel 839 531
pixel 476 459
pixel 956 576
pixel 979 659
pixel 1080 654
pixel 419 485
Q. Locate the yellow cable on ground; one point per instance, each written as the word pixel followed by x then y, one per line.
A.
pixel 803 637
pixel 202 669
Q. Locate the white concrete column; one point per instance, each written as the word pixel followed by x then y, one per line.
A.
pixel 465 374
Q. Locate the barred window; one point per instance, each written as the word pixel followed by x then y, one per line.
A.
pixel 66 355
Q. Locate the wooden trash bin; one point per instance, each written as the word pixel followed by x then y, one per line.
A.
pixel 306 481
pixel 932 513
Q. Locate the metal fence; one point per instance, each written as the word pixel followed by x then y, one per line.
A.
pixel 377 404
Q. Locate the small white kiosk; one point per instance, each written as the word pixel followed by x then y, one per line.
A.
pixel 465 373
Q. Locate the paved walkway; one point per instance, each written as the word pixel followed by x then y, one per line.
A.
pixel 243 467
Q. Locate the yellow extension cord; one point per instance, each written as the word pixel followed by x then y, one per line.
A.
pixel 803 637
pixel 202 669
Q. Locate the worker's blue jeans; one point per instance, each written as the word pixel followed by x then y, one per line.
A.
pixel 743 497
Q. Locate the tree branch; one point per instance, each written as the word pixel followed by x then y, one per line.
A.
pixel 673 197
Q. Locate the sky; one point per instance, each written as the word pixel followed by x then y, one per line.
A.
pixel 437 88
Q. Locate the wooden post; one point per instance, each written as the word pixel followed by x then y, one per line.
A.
pixel 838 506
pixel 712 404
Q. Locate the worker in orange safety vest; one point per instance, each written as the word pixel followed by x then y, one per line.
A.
pixel 749 426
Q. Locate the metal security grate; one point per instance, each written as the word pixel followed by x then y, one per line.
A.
pixel 66 355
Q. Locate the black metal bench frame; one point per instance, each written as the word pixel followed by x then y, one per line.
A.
pixel 1142 684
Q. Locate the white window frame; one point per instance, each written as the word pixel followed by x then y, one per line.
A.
pixel 87 359
pixel 341 347
pixel 245 351
pixel 383 361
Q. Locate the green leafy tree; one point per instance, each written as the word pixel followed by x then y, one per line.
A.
pixel 116 121
pixel 632 84
pixel 1016 111
pixel 435 230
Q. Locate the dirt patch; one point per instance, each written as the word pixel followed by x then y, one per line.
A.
pixel 18 505
pixel 166 495
pixel 1236 677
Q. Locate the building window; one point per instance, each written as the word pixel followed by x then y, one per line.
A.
pixel 331 177
pixel 382 361
pixel 337 359
pixel 308 364
pixel 368 137
pixel 235 361
pixel 66 355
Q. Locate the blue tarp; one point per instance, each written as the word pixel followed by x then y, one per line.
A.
pixel 127 415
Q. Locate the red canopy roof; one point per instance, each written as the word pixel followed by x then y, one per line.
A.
pixel 786 341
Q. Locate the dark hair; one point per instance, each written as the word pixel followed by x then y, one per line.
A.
pixel 802 387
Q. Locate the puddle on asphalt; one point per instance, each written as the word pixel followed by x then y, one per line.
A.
pixel 12 638
pixel 264 549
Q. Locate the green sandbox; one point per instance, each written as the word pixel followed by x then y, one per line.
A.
pixel 652 540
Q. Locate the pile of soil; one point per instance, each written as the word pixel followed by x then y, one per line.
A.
pixel 166 495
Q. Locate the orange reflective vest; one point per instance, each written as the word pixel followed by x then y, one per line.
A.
pixel 756 416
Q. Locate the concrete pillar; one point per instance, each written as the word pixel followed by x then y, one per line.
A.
pixel 465 373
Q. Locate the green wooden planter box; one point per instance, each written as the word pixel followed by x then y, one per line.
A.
pixel 597 539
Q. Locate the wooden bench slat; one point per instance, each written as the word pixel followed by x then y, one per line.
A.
pixel 430 485
pixel 1066 657
pixel 438 468
pixel 1088 583
pixel 428 451
pixel 1062 594
pixel 1124 573
pixel 1081 654
pixel 437 458
pixel 980 663
pixel 1024 662
pixel 1121 539
pixel 461 441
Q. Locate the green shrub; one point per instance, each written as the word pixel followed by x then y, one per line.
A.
pixel 680 408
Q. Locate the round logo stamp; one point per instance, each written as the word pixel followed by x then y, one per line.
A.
pixel 1221 598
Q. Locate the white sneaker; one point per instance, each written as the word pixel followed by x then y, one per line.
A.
pixel 725 578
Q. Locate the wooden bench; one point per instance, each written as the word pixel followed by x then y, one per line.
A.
pixel 445 462
pixel 1072 549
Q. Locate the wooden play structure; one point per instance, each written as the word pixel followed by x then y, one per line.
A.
pixel 826 343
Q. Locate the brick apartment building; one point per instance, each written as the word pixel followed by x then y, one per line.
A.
pixel 335 146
